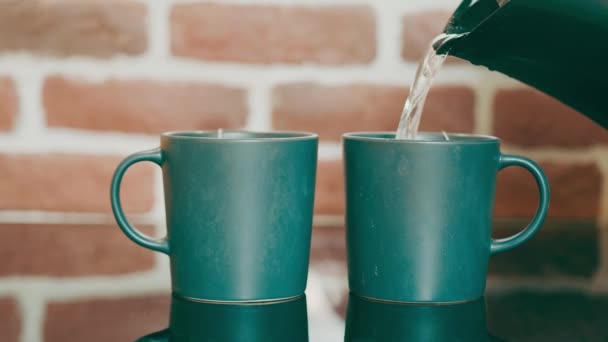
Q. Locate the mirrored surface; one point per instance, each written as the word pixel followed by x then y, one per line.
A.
pixel 371 320
pixel 192 321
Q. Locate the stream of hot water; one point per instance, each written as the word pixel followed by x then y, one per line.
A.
pixel 425 74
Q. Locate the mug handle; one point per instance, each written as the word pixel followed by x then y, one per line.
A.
pixel 155 156
pixel 502 245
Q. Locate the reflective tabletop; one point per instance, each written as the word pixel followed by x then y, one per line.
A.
pixel 510 317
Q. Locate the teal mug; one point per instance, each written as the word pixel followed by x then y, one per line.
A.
pixel 192 321
pixel 419 215
pixel 239 212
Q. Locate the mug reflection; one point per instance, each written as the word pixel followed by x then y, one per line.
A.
pixel 198 321
pixel 369 320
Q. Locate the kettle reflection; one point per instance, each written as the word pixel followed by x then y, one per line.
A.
pixel 368 320
pixel 194 321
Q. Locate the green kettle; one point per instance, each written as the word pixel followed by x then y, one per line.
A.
pixel 556 46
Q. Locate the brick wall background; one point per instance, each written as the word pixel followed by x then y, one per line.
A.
pixel 84 83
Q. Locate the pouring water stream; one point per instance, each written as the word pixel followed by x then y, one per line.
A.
pixel 425 74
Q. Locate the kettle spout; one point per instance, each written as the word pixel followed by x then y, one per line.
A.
pixel 560 54
pixel 470 14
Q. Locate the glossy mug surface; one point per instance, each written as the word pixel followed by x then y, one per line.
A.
pixel 262 322
pixel 419 214
pixel 239 212
pixel 376 321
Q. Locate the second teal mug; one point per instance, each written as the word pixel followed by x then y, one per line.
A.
pixel 419 215
pixel 239 212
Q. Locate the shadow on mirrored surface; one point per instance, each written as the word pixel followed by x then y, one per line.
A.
pixel 369 320
pixel 203 321
pixel 533 316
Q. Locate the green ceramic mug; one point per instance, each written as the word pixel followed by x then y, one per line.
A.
pixel 239 212
pixel 419 214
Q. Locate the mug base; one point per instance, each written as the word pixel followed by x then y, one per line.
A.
pixel 240 302
pixel 418 303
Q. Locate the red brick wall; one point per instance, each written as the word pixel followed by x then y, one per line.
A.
pixel 83 83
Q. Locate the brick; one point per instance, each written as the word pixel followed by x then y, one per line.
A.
pixel 101 320
pixel 71 183
pixel 8 103
pixel 450 109
pixel 143 106
pixel 418 31
pixel 73 28
pixel 274 34
pixel 527 117
pixel 328 245
pixel 575 191
pixel 329 192
pixel 333 110
pixel 561 249
pixel 70 250
pixel 10 324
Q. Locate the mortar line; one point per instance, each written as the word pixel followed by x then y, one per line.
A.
pixel 76 141
pixel 485 91
pixel 328 221
pixel 286 3
pixel 176 69
pixel 601 276
pixel 330 151
pixel 603 166
pixel 388 37
pixel 69 218
pixel 411 5
pixel 79 287
pixel 158 29
pixel 156 217
pixel 590 154
pixel 30 118
pixel 33 310
pixel 163 269
pixel 259 102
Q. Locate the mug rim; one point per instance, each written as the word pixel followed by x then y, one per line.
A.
pixel 239 136
pixel 437 138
